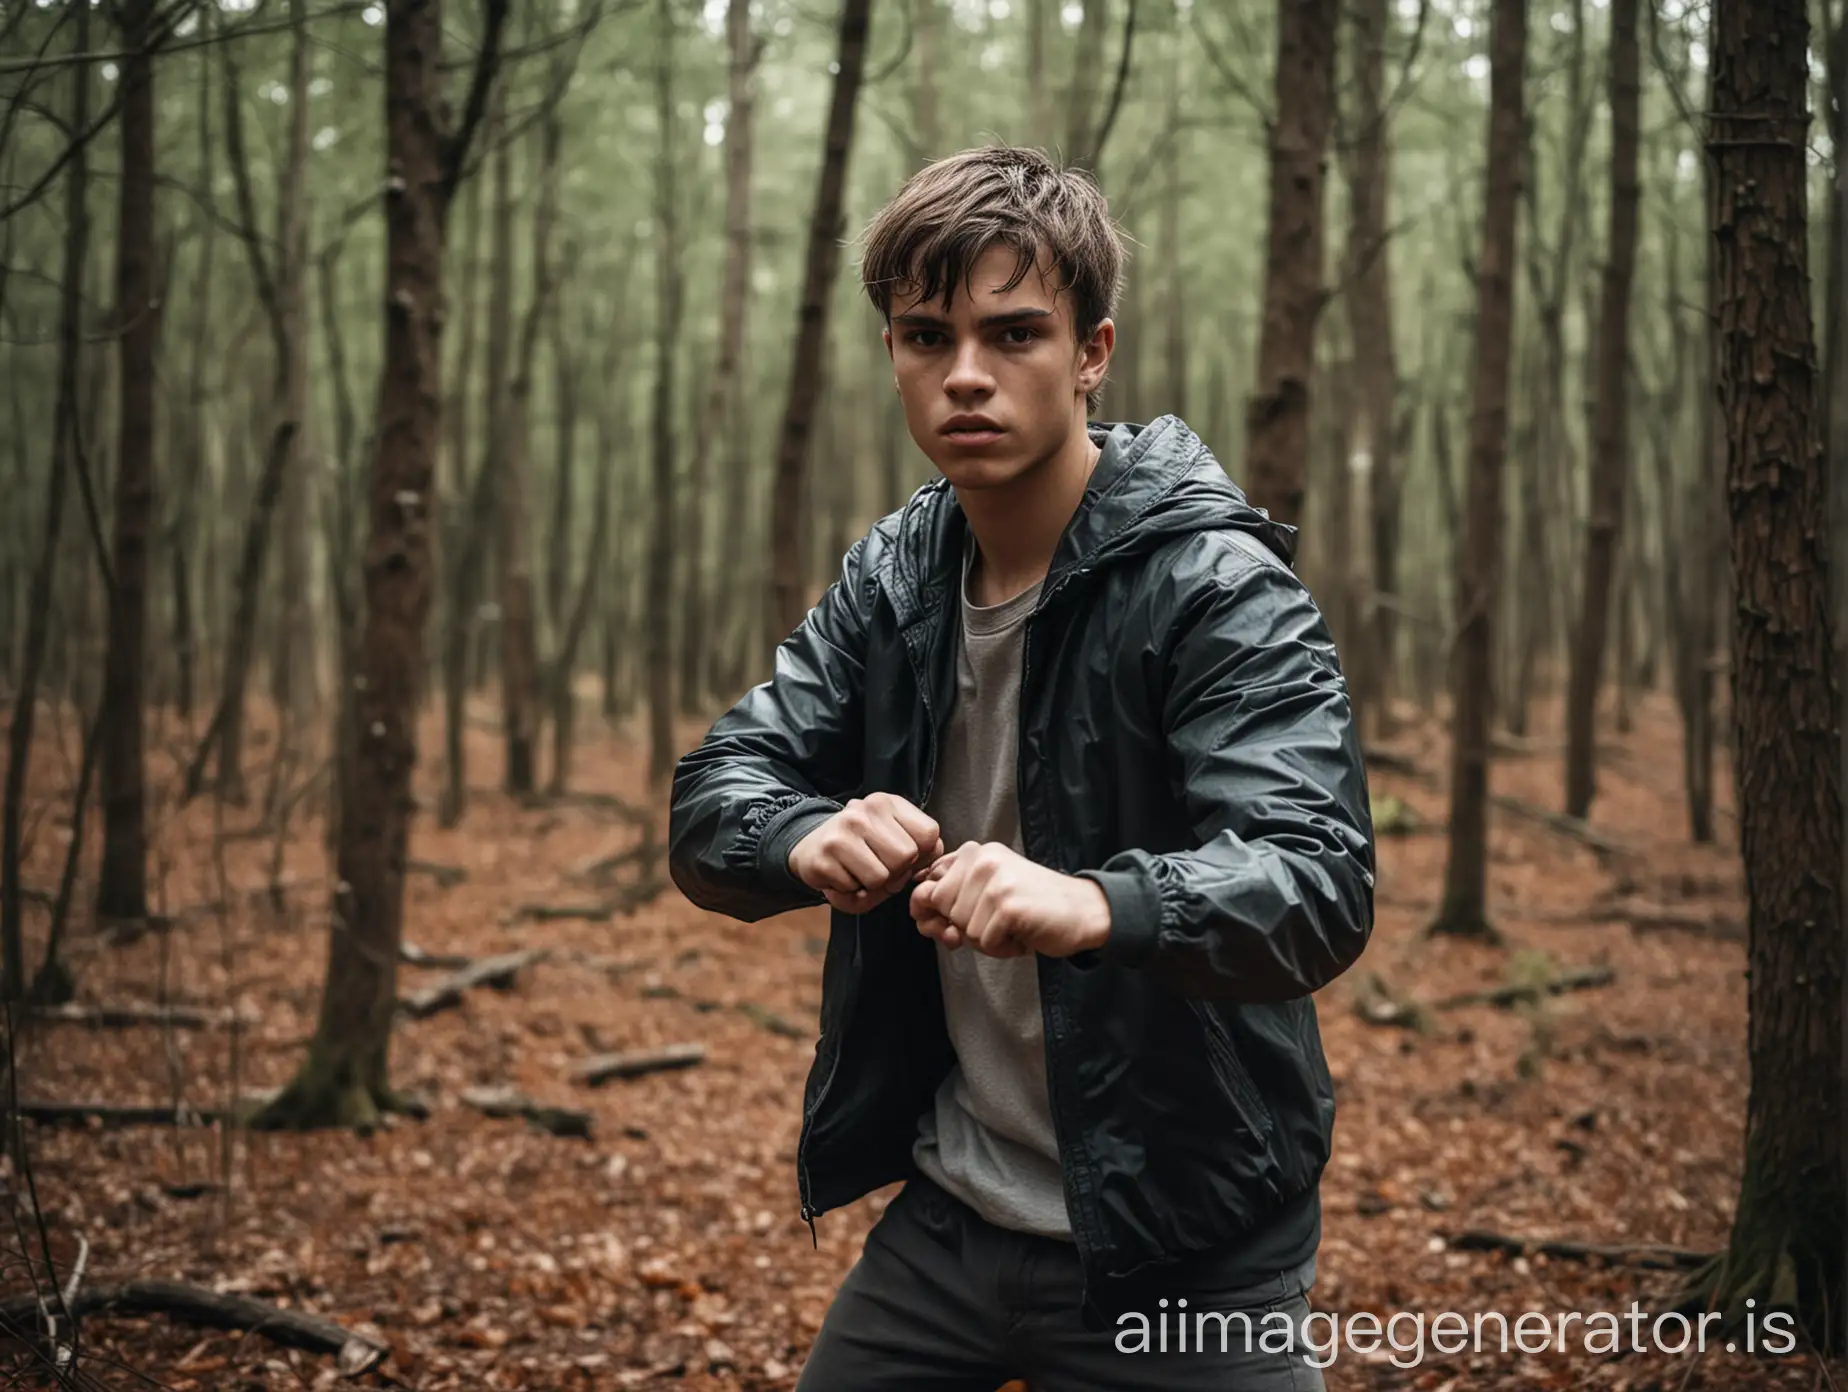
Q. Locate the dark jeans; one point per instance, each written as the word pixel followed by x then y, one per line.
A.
pixel 941 1300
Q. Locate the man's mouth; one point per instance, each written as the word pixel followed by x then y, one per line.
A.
pixel 972 430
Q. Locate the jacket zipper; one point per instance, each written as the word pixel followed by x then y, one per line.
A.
pixel 809 1211
pixel 1053 1007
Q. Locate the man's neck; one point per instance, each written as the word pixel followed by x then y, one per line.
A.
pixel 1017 527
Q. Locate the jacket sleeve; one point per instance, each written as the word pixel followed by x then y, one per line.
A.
pixel 786 757
pixel 1277 900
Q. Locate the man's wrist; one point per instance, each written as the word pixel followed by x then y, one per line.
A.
pixel 1094 921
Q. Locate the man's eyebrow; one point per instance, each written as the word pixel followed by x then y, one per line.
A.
pixel 988 321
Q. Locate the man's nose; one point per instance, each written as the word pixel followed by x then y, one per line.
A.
pixel 969 372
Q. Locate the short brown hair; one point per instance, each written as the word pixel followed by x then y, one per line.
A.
pixel 929 237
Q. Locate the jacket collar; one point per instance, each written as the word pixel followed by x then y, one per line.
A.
pixel 1150 481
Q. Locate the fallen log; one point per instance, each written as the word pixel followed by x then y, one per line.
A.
pixel 606 802
pixel 136 1114
pixel 1651 1256
pixel 612 967
pixel 627 901
pixel 128 1014
pixel 1657 918
pixel 595 1072
pixel 496 972
pixel 1576 828
pixel 1377 1004
pixel 355 1353
pixel 601 866
pixel 446 876
pixel 505 1102
pixel 414 956
pixel 1507 997
pixel 770 1020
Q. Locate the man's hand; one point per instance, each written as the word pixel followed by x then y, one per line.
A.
pixel 862 855
pixel 1001 903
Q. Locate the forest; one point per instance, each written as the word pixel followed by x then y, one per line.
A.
pixel 423 418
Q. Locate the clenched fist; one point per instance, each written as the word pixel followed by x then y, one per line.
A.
pixel 1000 903
pixel 862 855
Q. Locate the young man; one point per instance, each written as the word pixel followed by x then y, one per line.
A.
pixel 1068 751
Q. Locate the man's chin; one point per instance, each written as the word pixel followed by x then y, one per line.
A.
pixel 968 470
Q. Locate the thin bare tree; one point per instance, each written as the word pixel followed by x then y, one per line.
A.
pixel 345 1080
pixel 789 534
pixel 1611 461
pixel 1277 414
pixel 1464 908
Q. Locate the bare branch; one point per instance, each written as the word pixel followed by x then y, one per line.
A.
pixel 1116 93
pixel 247 30
pixel 455 147
pixel 260 271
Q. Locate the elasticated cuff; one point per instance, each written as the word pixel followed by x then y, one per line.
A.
pixel 780 837
pixel 1135 915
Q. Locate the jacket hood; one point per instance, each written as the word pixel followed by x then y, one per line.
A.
pixel 1151 483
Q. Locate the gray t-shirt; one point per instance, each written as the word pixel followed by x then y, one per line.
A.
pixel 989 1137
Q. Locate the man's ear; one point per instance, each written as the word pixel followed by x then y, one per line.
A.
pixel 1094 356
pixel 885 337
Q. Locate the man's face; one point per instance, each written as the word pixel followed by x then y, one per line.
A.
pixel 995 384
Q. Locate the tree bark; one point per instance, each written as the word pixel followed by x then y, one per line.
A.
pixel 295 681
pixel 927 45
pixel 788 598
pixel 1464 909
pixel 1544 550
pixel 468 513
pixel 1370 462
pixel 282 291
pixel 576 619
pixel 345 1079
pixel 188 469
pixel 1277 415
pixel 668 298
pixel 44 570
pixel 725 418
pixel 1604 529
pixel 519 646
pixel 1790 1218
pixel 121 890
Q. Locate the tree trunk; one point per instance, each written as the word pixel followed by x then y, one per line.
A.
pixel 519 646
pixel 1173 396
pixel 1370 462
pixel 44 570
pixel 927 44
pixel 282 289
pixel 729 406
pixel 295 684
pixel 1788 1231
pixel 565 377
pixel 188 470
pixel 121 890
pixel 1464 909
pixel 788 598
pixel 1277 415
pixel 345 1079
pixel 1604 529
pixel 1039 85
pixel 464 520
pixel 576 620
pixel 661 540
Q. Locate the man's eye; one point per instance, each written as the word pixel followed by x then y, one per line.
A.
pixel 923 338
pixel 1019 334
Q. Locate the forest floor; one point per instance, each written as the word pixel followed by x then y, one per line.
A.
pixel 667 1249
